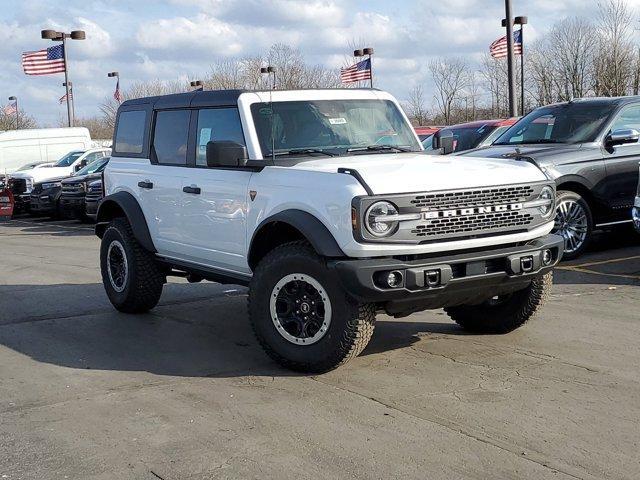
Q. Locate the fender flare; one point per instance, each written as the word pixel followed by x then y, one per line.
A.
pixel 309 226
pixel 109 208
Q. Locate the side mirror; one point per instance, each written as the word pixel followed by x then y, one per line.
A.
pixel 226 154
pixel 443 140
pixel 622 136
pixel 81 165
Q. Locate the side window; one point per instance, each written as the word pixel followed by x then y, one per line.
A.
pixel 170 137
pixel 217 124
pixel 130 133
pixel 629 117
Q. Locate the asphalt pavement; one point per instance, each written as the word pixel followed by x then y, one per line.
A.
pixel 185 392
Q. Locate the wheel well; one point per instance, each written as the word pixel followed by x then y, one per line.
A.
pixel 269 237
pixel 108 211
pixel 580 189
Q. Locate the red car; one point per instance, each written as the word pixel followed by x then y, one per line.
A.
pixel 478 133
pixel 425 132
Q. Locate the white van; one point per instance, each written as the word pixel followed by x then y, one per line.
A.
pixel 20 147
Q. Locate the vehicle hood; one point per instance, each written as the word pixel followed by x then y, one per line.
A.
pixel 50 180
pixel 553 154
pixel 418 172
pixel 82 178
pixel 41 174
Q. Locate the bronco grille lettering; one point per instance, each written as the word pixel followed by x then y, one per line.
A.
pixel 462 212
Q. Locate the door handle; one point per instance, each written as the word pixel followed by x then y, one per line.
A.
pixel 145 184
pixel 194 190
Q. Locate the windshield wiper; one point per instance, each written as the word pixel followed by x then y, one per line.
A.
pixel 379 148
pixel 302 151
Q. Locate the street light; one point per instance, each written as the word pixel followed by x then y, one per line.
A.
pixel 15 99
pixel 268 70
pixel 56 36
pixel 198 85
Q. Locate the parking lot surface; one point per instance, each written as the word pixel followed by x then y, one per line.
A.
pixel 185 392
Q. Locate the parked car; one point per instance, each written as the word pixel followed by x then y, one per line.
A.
pixel 635 214
pixel 45 197
pixel 21 183
pixel 327 224
pixel 590 148
pixel 474 134
pixel 425 132
pixel 93 198
pixel 74 189
pixel 20 147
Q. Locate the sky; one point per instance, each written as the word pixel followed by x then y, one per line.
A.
pixel 181 39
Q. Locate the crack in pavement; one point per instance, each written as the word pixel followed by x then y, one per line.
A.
pixel 537 458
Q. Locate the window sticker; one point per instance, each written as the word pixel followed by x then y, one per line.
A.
pixel 337 121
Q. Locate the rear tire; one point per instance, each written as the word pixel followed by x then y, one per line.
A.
pixel 300 314
pixel 504 314
pixel 130 275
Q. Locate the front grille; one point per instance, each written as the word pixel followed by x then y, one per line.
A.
pixel 72 188
pixel 18 186
pixel 472 223
pixel 36 189
pixel 472 198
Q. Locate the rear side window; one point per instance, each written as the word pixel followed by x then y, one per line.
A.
pixel 170 137
pixel 130 133
pixel 217 124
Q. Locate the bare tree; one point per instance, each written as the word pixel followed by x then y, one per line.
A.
pixel 449 79
pixel 494 74
pixel 614 59
pixel 416 106
pixel 8 121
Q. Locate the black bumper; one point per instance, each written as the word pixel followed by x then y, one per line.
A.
pixel 72 205
pixel 448 280
pixel 42 203
pixel 22 203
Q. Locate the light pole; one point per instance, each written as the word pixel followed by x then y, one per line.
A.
pixel 267 70
pixel 522 21
pixel 197 85
pixel 56 36
pixel 361 53
pixel 15 99
pixel 510 73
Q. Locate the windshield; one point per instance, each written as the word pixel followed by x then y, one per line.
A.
pixel 566 123
pixel 466 138
pixel 335 127
pixel 94 167
pixel 68 159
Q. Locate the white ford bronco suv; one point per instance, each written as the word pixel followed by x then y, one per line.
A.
pixel 323 203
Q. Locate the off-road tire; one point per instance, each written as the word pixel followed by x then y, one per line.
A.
pixel 145 279
pixel 576 197
pixel 507 315
pixel 351 326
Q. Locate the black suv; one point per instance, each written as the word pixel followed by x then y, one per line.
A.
pixel 74 189
pixel 590 148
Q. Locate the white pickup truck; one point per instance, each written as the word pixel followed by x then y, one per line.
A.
pixel 325 205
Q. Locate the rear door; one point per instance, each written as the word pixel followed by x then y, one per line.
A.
pixel 621 164
pixel 215 200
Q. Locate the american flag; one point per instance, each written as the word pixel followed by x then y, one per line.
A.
pixel 44 62
pixel 117 95
pixel 11 108
pixel 498 49
pixel 63 98
pixel 357 72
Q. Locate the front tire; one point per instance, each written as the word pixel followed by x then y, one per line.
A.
pixel 130 275
pixel 574 222
pixel 504 314
pixel 301 316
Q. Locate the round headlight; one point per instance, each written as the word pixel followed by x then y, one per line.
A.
pixel 375 222
pixel 547 194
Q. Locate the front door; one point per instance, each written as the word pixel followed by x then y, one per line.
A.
pixel 215 199
pixel 621 164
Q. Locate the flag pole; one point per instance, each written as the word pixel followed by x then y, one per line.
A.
pixel 510 58
pixel 369 51
pixel 522 21
pixel 66 77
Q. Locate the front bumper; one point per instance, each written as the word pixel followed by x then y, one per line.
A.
pixel 635 214
pixel 72 204
pixel 42 203
pixel 449 280
pixel 22 203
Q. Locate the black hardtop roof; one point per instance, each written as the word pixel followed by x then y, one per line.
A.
pixel 601 100
pixel 206 98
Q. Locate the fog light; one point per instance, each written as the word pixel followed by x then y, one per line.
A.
pixel 394 279
pixel 547 257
